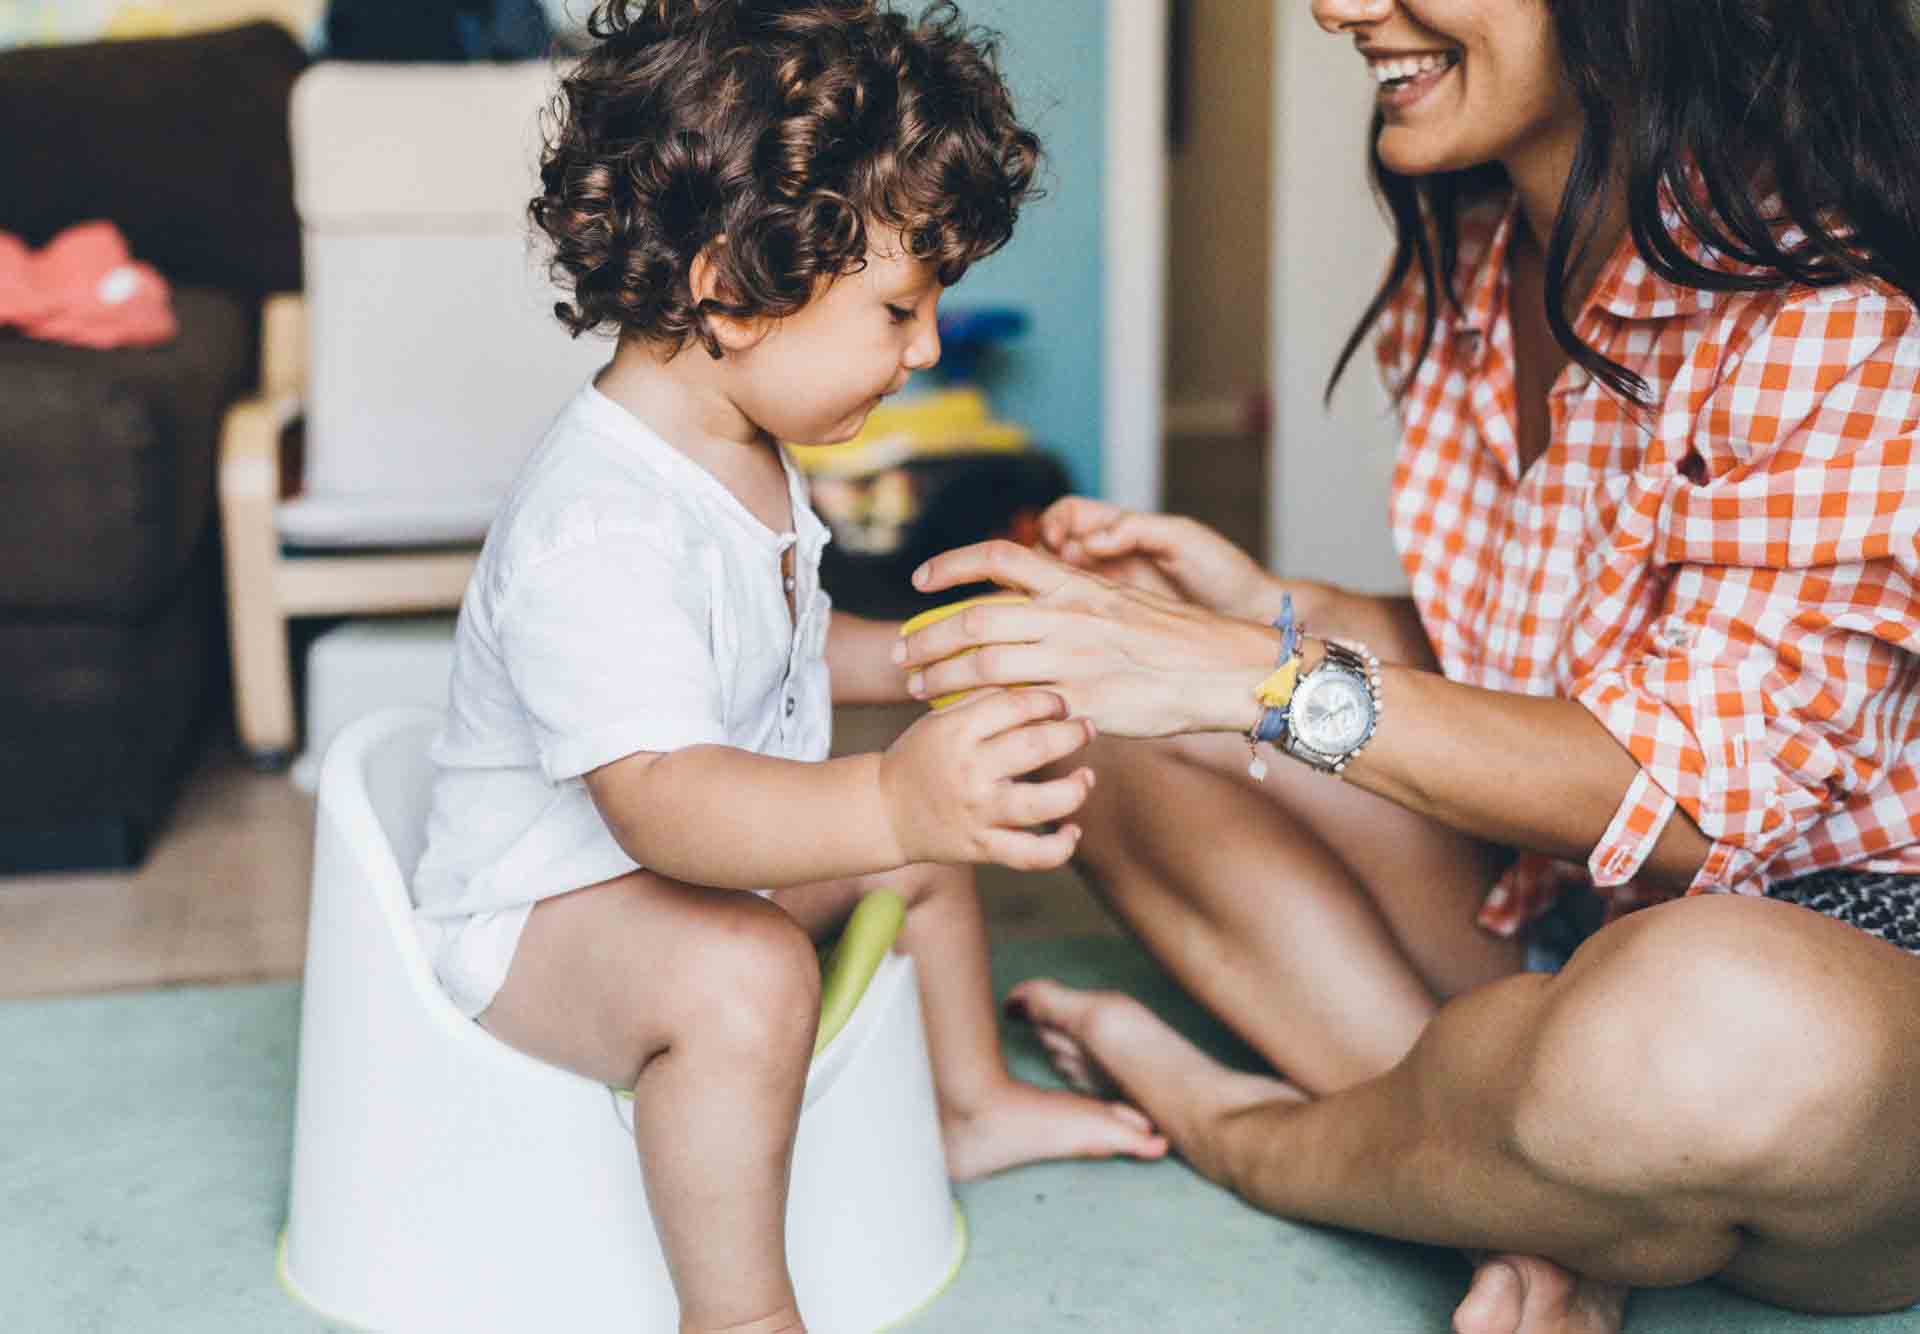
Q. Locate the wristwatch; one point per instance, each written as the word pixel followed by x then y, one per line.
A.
pixel 1335 708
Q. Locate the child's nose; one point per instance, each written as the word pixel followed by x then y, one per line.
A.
pixel 923 353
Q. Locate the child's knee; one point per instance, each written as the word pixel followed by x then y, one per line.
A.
pixel 757 981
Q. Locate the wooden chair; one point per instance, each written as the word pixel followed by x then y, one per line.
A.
pixel 423 362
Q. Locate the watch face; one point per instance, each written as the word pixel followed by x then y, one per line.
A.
pixel 1335 715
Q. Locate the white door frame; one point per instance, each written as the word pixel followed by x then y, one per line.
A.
pixel 1327 469
pixel 1134 222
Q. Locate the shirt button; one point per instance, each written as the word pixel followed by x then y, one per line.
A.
pixel 789 706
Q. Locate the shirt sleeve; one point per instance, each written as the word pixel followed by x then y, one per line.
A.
pixel 607 646
pixel 1780 685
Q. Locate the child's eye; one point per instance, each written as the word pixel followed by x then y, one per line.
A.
pixel 898 314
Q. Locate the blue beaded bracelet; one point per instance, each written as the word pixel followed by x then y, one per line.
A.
pixel 1272 725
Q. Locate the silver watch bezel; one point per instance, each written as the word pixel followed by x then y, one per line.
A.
pixel 1344 661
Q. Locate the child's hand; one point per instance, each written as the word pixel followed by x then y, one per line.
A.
pixel 950 788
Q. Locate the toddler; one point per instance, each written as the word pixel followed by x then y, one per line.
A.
pixel 765 199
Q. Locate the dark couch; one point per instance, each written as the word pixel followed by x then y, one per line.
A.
pixel 112 644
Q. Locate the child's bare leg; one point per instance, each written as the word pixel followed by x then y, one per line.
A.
pixel 704 1002
pixel 990 1120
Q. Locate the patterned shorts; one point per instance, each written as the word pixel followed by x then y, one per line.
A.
pixel 1883 905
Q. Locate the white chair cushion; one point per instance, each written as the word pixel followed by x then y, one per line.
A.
pixel 435 359
pixel 380 145
pixel 394 519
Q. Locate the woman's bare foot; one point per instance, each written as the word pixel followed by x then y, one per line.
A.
pixel 1108 1044
pixel 1016 1123
pixel 1524 1294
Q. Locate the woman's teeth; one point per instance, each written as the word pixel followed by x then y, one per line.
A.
pixel 1390 73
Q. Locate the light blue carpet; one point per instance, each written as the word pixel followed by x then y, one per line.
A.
pixel 143 1173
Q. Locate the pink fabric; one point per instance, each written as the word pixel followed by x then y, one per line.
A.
pixel 84 287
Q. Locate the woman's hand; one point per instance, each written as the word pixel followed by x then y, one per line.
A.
pixel 951 790
pixel 1135 662
pixel 1166 554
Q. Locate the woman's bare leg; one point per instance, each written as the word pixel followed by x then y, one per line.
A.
pixel 1317 920
pixel 1590 1117
pixel 1422 885
pixel 990 1121
pixel 704 1002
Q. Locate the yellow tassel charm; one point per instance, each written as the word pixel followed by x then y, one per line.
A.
pixel 1276 692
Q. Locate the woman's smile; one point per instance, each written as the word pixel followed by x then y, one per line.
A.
pixel 1404 78
pixel 1515 106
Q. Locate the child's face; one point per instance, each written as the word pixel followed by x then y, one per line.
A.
pixel 814 377
pixel 1460 82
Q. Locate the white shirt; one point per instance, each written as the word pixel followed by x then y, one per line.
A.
pixel 624 601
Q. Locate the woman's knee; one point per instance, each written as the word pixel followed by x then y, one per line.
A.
pixel 1136 780
pixel 1108 817
pixel 1704 1043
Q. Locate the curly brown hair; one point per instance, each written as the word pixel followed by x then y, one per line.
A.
pixel 786 127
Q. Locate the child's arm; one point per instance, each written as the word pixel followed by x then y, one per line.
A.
pixel 860 660
pixel 946 791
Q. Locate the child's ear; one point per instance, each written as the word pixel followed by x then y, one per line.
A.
pixel 730 332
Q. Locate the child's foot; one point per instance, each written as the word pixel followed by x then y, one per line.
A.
pixel 1017 1123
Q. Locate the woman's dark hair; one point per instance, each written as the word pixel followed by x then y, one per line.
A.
pixel 1705 106
pixel 782 129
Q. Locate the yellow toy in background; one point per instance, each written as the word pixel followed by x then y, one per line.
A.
pixel 948 421
pixel 937 614
pixel 59 22
pixel 860 486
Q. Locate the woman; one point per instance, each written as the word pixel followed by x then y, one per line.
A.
pixel 1651 325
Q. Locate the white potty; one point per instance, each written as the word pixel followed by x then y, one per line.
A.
pixel 444 1181
pixel 361 666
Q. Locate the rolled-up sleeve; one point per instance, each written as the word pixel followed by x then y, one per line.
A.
pixel 1780 691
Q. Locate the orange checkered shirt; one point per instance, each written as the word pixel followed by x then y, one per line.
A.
pixel 1729 578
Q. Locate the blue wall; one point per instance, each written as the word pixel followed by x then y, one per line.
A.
pixel 1054 55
